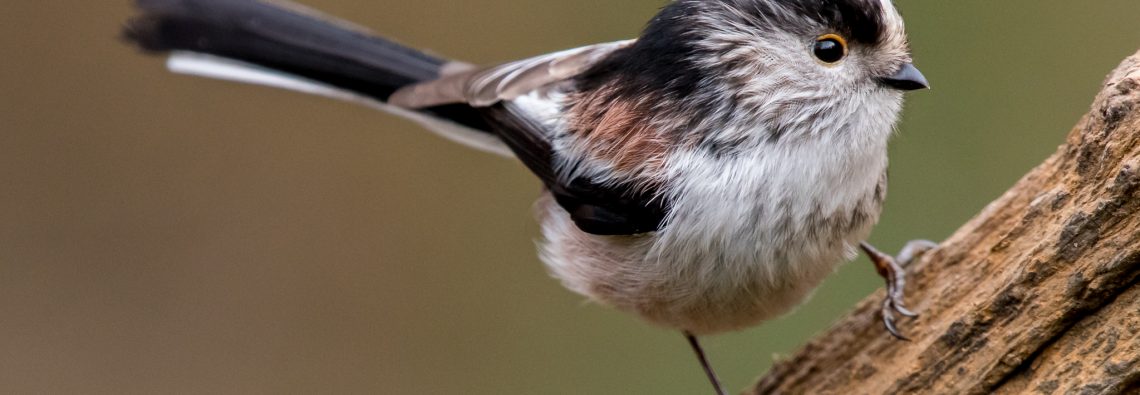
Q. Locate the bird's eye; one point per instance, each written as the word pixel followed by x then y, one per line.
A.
pixel 830 48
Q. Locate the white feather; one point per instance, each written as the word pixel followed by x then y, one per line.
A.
pixel 209 66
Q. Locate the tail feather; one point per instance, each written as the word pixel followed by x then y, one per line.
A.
pixel 283 45
pixel 281 37
pixel 210 66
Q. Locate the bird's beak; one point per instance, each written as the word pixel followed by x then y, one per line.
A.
pixel 908 78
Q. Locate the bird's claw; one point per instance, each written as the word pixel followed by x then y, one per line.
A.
pixel 889 320
pixel 895 275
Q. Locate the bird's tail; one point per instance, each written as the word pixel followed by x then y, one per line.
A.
pixel 262 41
pixel 284 45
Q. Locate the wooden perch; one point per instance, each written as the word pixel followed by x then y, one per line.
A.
pixel 1037 294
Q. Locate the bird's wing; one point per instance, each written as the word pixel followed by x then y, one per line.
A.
pixel 498 93
pixel 487 86
pixel 595 207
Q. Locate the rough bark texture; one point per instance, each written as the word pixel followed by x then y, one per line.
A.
pixel 1037 294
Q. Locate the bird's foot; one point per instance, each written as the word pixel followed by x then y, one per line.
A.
pixel 892 269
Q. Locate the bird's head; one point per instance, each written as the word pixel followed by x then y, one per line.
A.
pixel 798 68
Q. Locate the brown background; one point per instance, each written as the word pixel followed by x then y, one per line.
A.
pixel 164 234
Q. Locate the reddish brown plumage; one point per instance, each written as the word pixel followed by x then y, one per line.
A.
pixel 619 132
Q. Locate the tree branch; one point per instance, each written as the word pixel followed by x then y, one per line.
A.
pixel 1037 294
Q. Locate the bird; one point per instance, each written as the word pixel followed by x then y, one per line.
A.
pixel 705 176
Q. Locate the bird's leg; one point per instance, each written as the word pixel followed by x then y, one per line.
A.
pixel 705 363
pixel 891 268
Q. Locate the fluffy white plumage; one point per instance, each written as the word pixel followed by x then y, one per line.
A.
pixel 750 234
pixel 748 238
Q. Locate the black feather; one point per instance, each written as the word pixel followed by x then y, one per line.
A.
pixel 298 43
pixel 278 38
pixel 859 20
pixel 598 209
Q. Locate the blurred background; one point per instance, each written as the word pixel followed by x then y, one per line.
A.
pixel 166 234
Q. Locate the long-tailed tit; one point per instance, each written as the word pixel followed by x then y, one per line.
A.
pixel 705 176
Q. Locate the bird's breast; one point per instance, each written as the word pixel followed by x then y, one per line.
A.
pixel 747 238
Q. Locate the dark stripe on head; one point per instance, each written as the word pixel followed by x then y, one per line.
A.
pixel 859 20
pixel 862 20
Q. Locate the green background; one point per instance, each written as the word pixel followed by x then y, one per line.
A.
pixel 165 234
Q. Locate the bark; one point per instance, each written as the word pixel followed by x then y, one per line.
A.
pixel 1037 294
